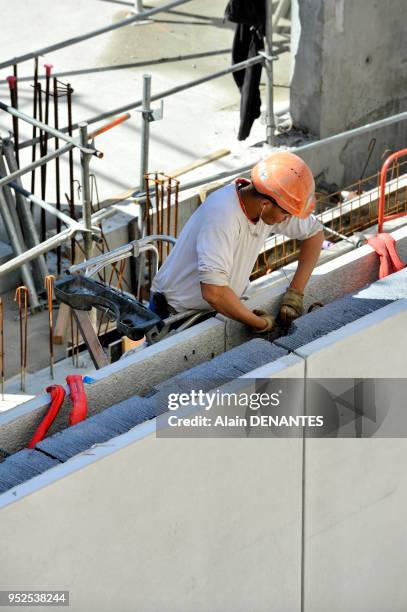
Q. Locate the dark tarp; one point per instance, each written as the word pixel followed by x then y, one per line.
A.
pixel 250 16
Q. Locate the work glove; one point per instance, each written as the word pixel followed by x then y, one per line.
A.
pixel 269 319
pixel 292 306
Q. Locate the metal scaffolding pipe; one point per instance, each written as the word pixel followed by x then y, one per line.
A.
pixel 47 128
pixel 23 258
pixel 44 205
pixel 85 192
pixel 268 46
pixel 77 39
pixel 166 93
pixel 18 250
pixel 54 241
pixel 30 231
pixel 298 150
pixel 145 127
pixel 35 164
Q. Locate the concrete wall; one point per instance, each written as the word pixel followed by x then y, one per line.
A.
pixel 173 525
pixel 349 71
pixel 349 67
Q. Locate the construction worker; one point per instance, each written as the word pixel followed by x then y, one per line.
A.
pixel 210 265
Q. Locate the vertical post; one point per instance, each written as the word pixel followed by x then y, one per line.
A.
pixel 85 193
pixel 268 47
pixel 138 7
pixel 145 128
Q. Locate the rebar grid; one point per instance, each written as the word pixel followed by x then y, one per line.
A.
pixel 345 213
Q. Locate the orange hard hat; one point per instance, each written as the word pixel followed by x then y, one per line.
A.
pixel 287 179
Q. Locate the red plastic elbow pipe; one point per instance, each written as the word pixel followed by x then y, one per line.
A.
pixel 78 397
pixel 57 397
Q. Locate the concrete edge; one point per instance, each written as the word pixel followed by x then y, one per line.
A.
pixel 147 428
pixel 343 333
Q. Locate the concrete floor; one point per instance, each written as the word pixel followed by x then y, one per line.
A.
pixel 196 122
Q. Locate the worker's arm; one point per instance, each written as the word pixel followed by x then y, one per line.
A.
pixel 224 300
pixel 308 257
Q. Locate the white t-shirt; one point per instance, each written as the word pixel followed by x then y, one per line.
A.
pixel 219 246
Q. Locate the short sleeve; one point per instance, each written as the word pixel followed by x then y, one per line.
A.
pixel 299 229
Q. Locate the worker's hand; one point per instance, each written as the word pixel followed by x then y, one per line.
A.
pixel 292 306
pixel 268 319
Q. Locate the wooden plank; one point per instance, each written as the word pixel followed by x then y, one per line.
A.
pixel 128 344
pixel 94 347
pixel 198 163
pixel 63 324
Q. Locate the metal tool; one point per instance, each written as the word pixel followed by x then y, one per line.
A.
pixel 357 240
pixel 23 317
pixel 49 285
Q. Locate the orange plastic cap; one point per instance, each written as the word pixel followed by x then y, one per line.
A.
pixel 288 180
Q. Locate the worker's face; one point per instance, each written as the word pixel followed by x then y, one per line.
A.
pixel 272 213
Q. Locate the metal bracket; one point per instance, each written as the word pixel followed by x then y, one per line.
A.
pixel 267 57
pixel 153 114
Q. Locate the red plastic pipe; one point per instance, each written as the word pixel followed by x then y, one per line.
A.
pixel 57 397
pixel 78 397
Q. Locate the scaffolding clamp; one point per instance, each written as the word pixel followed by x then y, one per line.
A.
pixel 152 114
pixel 267 57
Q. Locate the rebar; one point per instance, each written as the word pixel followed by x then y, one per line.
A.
pixel 34 130
pixel 44 148
pixel 36 164
pixel 71 200
pixel 12 83
pixel 168 92
pixel 23 316
pixel 48 129
pixel 57 171
pixel 49 285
